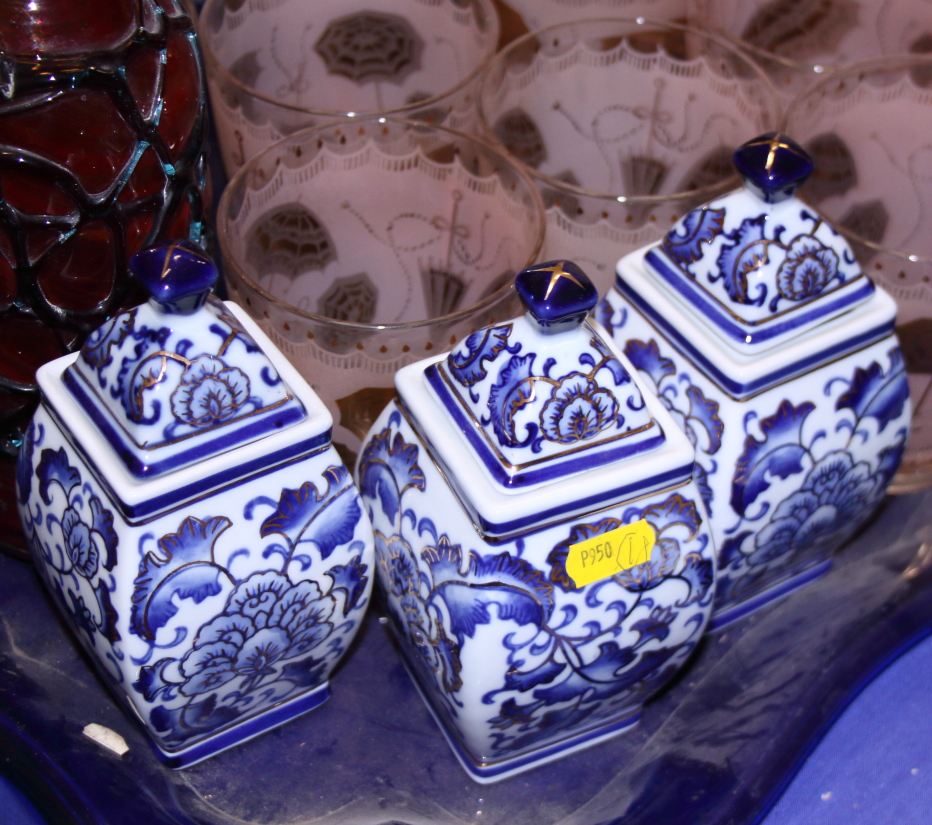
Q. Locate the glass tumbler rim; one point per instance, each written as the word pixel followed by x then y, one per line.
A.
pixel 704 193
pixel 214 65
pixel 230 263
pixel 895 62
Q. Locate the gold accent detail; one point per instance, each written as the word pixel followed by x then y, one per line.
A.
pixel 537 528
pixel 774 144
pixel 715 383
pixel 782 312
pixel 556 272
pixel 504 461
pixel 288 397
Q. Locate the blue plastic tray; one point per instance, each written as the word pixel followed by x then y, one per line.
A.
pixel 718 746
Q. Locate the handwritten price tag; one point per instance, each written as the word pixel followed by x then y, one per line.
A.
pixel 603 556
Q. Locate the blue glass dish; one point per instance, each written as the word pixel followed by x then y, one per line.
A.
pixel 718 746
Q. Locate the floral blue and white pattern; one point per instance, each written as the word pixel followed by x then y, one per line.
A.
pixel 790 474
pixel 203 620
pixel 805 265
pixel 837 490
pixel 536 397
pixel 695 414
pixel 71 534
pixel 512 655
pixel 275 635
pixel 160 393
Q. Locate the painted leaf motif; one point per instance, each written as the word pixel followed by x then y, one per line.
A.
pixel 747 254
pixel 351 579
pixel 567 718
pixel 108 622
pixel 519 590
pixel 684 244
pixel 654 626
pixel 647 358
pixel 890 458
pixel 609 361
pixel 600 679
pixel 444 560
pixel 99 344
pixel 305 515
pixel 540 675
pixel 780 454
pixel 54 466
pixel 701 477
pixel 335 523
pixel 877 394
pixel 152 682
pixel 675 510
pixel 511 713
pixel 305 673
pixel 388 468
pixel 448 653
pixel 102 524
pixel 705 411
pixel 184 567
pixel 511 392
pixel 731 549
pixel 699 574
pixel 483 346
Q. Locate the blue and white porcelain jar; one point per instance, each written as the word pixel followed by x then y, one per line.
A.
pixel 776 354
pixel 540 540
pixel 186 508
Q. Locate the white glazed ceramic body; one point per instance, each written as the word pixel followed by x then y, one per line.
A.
pixel 790 473
pixel 222 617
pixel 517 664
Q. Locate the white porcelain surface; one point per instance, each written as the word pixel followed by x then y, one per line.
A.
pixel 222 613
pixel 519 663
pixel 800 417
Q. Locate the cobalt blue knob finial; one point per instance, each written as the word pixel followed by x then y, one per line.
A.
pixel 557 295
pixel 178 275
pixel 773 165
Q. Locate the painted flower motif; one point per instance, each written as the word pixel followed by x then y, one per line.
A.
pixel 267 620
pixel 210 392
pixel 79 544
pixel 834 499
pixel 808 268
pixel 578 409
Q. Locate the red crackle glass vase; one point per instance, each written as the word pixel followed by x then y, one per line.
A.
pixel 102 152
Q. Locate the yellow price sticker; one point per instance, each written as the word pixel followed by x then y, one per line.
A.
pixel 610 553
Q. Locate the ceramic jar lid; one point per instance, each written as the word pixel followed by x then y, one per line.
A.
pixel 178 380
pixel 755 288
pixel 181 395
pixel 542 417
pixel 758 266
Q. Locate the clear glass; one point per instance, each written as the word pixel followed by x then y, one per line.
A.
pixel 796 41
pixel 518 17
pixel 363 246
pixel 868 129
pixel 274 68
pixel 625 125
